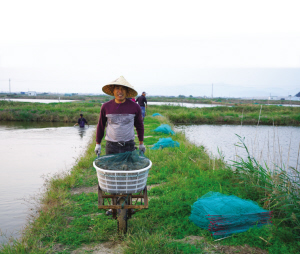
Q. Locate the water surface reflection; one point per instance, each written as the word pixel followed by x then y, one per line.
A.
pixel 28 152
pixel 188 105
pixel 279 145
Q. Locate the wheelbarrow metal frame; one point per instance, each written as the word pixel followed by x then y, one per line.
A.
pixel 114 197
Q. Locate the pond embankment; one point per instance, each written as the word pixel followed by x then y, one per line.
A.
pixel 69 220
pixel 241 114
pixel 53 112
pixel 247 114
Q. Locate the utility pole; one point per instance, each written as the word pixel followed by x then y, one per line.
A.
pixel 212 90
pixel 9 86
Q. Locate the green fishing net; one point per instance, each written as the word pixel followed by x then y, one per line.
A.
pixel 224 215
pixel 165 128
pixel 123 161
pixel 165 142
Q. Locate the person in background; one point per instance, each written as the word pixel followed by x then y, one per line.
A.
pixel 81 121
pixel 133 99
pixel 142 101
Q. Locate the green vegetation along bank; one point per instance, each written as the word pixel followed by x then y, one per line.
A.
pixel 240 114
pixel 69 112
pixel 178 99
pixel 68 218
pixel 52 112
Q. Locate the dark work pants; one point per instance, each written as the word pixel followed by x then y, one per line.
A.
pixel 114 147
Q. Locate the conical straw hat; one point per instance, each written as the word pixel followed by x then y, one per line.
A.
pixel 109 88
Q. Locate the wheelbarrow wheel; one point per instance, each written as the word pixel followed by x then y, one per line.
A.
pixel 122 217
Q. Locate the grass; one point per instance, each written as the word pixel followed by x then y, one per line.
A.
pixel 180 175
pixel 52 112
pixel 69 112
pixel 247 114
pixel 281 192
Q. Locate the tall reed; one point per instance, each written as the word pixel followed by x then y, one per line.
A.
pixel 279 190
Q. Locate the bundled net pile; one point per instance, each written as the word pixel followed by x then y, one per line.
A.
pixel 224 215
pixel 156 114
pixel 123 161
pixel 165 142
pixel 165 128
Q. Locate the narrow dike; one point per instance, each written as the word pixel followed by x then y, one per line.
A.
pixel 69 220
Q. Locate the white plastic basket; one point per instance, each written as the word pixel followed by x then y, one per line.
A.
pixel 122 181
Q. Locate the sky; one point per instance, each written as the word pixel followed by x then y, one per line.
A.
pixel 216 48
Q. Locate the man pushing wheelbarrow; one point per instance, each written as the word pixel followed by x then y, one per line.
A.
pixel 121 115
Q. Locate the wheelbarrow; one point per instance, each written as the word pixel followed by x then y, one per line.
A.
pixel 122 192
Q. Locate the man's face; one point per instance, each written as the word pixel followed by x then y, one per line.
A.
pixel 120 93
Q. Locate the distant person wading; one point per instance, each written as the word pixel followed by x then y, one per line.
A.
pixel 81 121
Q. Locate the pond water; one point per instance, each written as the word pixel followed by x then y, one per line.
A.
pixel 188 105
pixel 279 145
pixel 30 152
pixel 285 105
pixel 39 100
pixel 195 105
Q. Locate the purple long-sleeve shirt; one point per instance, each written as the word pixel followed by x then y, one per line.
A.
pixel 121 120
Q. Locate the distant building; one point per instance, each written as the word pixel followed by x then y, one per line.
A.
pixel 68 94
pixel 282 98
pixel 31 93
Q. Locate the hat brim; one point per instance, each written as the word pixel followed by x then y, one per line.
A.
pixel 109 90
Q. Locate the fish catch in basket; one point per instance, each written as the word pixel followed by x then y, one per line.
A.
pixel 127 161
